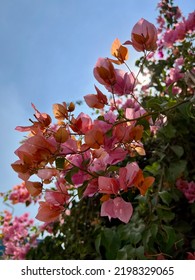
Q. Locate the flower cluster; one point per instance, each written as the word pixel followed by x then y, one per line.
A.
pixel 179 32
pixel 92 157
pixel 20 194
pixel 16 236
pixel 177 29
pixel 108 185
pixel 187 188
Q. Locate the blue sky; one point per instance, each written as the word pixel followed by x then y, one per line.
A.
pixel 47 53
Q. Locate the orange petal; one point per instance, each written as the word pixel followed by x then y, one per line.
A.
pixel 60 111
pixel 94 138
pixel 119 51
pixel 34 188
pixel 61 135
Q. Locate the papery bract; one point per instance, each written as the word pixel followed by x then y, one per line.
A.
pixel 127 175
pixel 124 84
pixel 96 100
pixel 56 198
pixel 117 208
pixel 47 173
pixel 142 183
pixel 144 36
pixel 79 178
pixel 108 185
pixel 60 111
pixel 69 147
pixel 104 72
pixel 81 124
pixel 115 156
pixel 190 22
pixel 94 138
pixel 43 121
pixel 48 212
pixel 119 51
pixel 34 188
pixel 37 148
pixel 61 135
pixel 92 188
pixel 132 113
pixel 35 151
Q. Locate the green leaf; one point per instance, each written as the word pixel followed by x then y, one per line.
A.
pixel 154 230
pixel 165 214
pixel 153 169
pixel 122 254
pixel 112 168
pixel 168 131
pixel 139 252
pixel 81 189
pixel 135 237
pixel 111 242
pixel 149 236
pixel 97 243
pixel 166 197
pixel 146 237
pixel 69 175
pixel 130 252
pixel 178 150
pixel 170 236
pixel 154 104
pixel 60 163
pixel 176 169
pixel 187 109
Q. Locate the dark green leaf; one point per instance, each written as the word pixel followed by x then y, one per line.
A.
pixel 178 150
pixel 60 163
pixel 176 170
pixel 169 131
pixel 153 169
pixel 170 236
pixel 165 196
pixel 122 254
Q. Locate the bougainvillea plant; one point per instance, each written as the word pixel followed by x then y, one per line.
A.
pixel 120 184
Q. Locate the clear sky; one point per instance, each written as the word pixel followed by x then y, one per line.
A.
pixel 48 49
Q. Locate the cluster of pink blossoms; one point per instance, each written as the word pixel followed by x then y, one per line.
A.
pixel 98 156
pixel 180 30
pixel 175 74
pixel 188 189
pixel 16 237
pixel 20 194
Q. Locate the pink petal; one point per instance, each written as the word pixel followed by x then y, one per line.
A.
pixel 47 173
pixel 108 185
pixel 122 209
pixel 107 209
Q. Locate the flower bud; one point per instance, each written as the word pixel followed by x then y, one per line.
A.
pixel 71 107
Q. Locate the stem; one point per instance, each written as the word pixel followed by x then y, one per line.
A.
pixel 153 113
pixel 80 168
pixel 136 78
